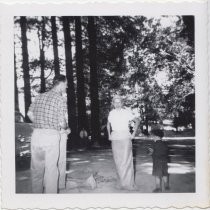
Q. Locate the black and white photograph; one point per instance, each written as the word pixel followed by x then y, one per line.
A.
pixel 124 88
pixel 108 105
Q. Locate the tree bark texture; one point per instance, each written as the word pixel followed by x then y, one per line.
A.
pixel 25 66
pixel 71 99
pixel 82 119
pixel 16 87
pixel 95 124
pixel 42 56
pixel 55 45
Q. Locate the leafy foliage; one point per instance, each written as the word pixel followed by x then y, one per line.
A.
pixel 150 61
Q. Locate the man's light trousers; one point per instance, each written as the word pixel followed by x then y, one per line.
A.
pixel 44 160
pixel 62 161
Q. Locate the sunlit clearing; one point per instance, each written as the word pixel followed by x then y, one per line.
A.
pixel 22 178
pixel 179 138
pixel 81 150
pixel 169 128
pixel 24 146
pixel 146 164
pixel 181 170
pixel 69 171
pixel 80 162
pixel 174 168
pixel 174 164
pixel 176 155
pixel 73 159
pixel 185 162
pixel 145 167
pixel 141 156
pixel 182 146
pixel 25 152
pixel 167 122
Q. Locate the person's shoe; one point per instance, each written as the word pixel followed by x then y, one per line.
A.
pixel 118 187
pixel 167 188
pixel 133 188
pixel 157 190
pixel 130 188
pixel 60 190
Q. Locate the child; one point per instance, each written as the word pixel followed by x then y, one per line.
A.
pixel 160 161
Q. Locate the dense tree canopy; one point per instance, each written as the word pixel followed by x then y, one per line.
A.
pixel 150 61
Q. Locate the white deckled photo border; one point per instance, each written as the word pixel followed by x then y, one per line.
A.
pixel 11 200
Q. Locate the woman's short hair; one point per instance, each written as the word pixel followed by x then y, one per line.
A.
pixel 58 78
pixel 117 97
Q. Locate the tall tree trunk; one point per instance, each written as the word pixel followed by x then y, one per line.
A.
pixel 71 99
pixel 42 56
pixel 55 45
pixel 82 119
pixel 95 124
pixel 147 125
pixel 16 87
pixel 25 66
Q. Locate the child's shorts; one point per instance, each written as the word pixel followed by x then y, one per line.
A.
pixel 160 168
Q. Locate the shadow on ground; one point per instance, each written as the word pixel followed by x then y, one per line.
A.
pixel 93 171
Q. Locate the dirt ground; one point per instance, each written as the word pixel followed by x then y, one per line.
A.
pixel 93 170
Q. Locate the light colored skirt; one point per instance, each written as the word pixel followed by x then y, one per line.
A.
pixel 123 158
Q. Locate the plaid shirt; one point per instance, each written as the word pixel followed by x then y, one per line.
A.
pixel 49 110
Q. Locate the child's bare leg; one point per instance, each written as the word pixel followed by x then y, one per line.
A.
pixel 157 182
pixel 163 183
pixel 166 182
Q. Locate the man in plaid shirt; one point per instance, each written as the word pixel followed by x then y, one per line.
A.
pixel 47 113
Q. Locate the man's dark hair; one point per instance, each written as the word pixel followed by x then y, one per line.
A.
pixel 158 132
pixel 58 78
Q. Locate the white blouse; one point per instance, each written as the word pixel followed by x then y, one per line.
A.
pixel 119 119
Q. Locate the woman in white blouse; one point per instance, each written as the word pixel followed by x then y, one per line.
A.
pixel 118 132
